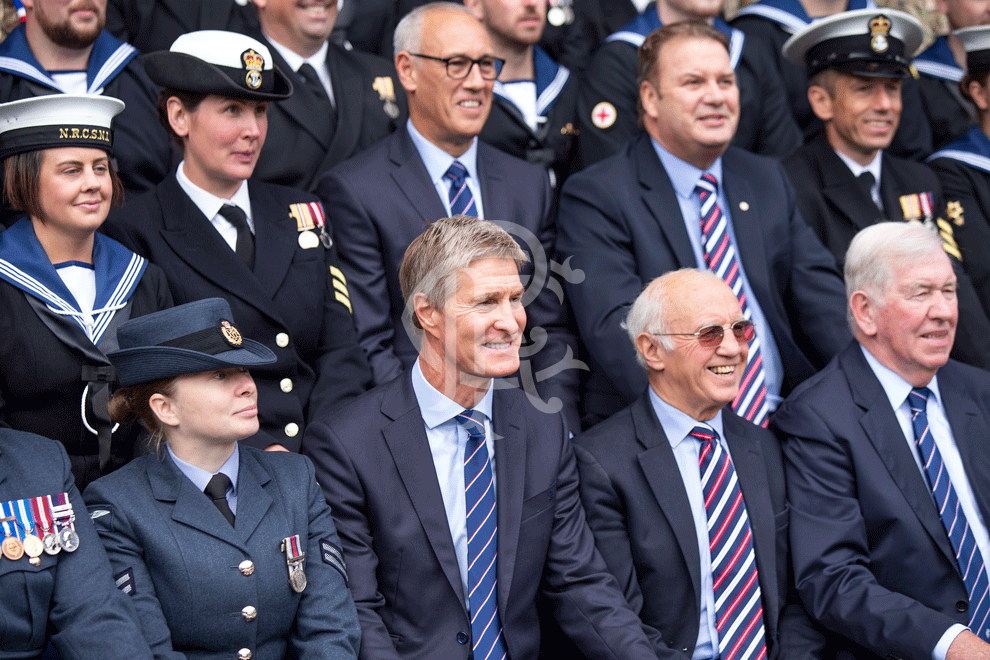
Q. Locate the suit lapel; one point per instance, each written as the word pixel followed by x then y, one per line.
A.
pixel 494 197
pixel 346 84
pixel 660 469
pixel 253 501
pixel 510 463
pixel 413 180
pixel 969 433
pixel 882 428
pixel 406 440
pixel 276 232
pixel 841 189
pixel 745 213
pixel 189 505
pixel 750 466
pixel 890 184
pixel 295 106
pixel 660 198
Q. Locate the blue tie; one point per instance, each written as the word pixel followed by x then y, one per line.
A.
pixel 479 491
pixel 738 601
pixel 968 555
pixel 461 198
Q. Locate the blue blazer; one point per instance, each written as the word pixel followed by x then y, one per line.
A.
pixel 374 462
pixel 871 557
pixel 179 559
pixel 71 593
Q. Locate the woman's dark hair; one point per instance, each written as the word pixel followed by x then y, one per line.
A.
pixel 189 100
pixel 128 403
pixel 22 187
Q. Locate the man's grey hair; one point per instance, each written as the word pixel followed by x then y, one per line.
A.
pixel 408 35
pixel 876 251
pixel 650 312
pixel 434 259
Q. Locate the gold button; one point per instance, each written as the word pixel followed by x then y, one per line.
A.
pixel 286 385
pixel 292 429
pixel 249 612
pixel 244 654
pixel 282 339
pixel 246 567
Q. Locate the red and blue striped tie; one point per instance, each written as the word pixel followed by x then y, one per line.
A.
pixel 461 198
pixel 968 555
pixel 486 627
pixel 738 602
pixel 721 259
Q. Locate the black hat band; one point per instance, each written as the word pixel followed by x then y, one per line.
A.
pixel 978 62
pixel 20 140
pixel 212 341
pixel 855 48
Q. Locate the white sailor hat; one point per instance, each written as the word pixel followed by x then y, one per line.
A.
pixel 976 41
pixel 867 42
pixel 219 62
pixel 57 120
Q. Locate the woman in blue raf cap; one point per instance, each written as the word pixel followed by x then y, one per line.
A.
pixel 63 287
pixel 266 248
pixel 227 551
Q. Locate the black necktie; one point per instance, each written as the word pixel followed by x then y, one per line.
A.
pixel 866 181
pixel 316 88
pixel 244 249
pixel 216 490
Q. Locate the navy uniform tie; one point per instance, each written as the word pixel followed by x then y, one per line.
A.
pixel 216 490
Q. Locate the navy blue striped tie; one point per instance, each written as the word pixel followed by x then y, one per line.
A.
pixel 482 531
pixel 461 198
pixel 738 601
pixel 968 555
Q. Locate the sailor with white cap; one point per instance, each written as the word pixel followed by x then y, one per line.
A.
pixel 265 248
pixel 845 178
pixel 63 286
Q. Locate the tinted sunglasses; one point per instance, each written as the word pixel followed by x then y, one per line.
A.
pixel 711 336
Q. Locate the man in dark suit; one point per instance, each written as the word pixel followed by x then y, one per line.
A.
pixel 534 107
pixel 647 487
pixel 381 200
pixel 844 177
pixel 607 102
pixel 151 25
pixel 343 102
pixel 888 476
pixel 638 215
pixel 440 566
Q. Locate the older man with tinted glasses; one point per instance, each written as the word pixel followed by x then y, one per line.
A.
pixel 663 479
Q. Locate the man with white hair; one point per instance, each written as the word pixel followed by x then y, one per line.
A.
pixel 887 469
pixel 654 478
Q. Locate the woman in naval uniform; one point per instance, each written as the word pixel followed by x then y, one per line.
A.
pixel 963 167
pixel 63 287
pixel 256 573
pixel 265 248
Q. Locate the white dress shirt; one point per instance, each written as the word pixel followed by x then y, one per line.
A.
pixel 317 60
pixel 873 168
pixel 437 161
pixel 210 205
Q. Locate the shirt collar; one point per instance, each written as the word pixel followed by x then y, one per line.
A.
pixel 209 203
pixel 683 175
pixel 678 424
pixel 894 386
pixel 873 167
pixel 201 477
pixel 317 60
pixel 435 407
pixel 437 161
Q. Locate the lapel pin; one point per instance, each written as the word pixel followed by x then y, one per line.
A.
pixel 743 206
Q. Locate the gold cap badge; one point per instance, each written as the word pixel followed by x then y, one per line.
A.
pixel 254 63
pixel 879 30
pixel 230 333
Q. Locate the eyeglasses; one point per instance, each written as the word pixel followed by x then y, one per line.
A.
pixel 459 66
pixel 712 336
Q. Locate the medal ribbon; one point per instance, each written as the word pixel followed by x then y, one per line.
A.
pixel 292 547
pixel 25 516
pixel 63 511
pixel 10 527
pixel 41 508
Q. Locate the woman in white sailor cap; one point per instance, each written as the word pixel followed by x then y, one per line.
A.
pixel 63 287
pixel 226 551
pixel 265 248
pixel 963 166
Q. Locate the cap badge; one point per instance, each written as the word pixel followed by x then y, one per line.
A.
pixel 230 333
pixel 254 63
pixel 879 29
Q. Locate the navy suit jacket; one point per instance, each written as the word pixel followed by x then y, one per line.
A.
pixel 374 461
pixel 640 515
pixel 621 224
pixel 291 291
pixel 179 559
pixel 70 595
pixel 872 560
pixel 383 198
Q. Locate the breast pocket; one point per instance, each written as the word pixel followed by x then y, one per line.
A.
pixel 27 595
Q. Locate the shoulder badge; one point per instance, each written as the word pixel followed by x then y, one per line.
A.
pixel 603 115
pixel 954 210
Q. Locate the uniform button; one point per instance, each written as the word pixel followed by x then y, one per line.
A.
pixel 286 385
pixel 282 340
pixel 246 567
pixel 244 654
pixel 292 429
pixel 962 606
pixel 249 612
pixel 462 638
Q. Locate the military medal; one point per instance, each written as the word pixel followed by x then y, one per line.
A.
pixel 308 240
pixel 309 217
pixel 919 207
pixel 11 546
pixel 386 94
pixel 33 547
pixel 41 507
pixel 294 557
pixel 62 512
